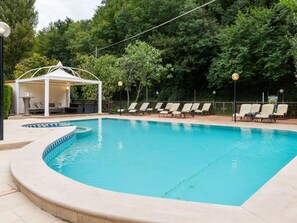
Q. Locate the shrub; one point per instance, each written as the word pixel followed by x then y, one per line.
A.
pixel 7 93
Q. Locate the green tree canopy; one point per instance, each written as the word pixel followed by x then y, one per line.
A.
pixel 35 61
pixel 142 66
pixel 21 16
pixel 256 47
pixel 106 70
pixel 53 42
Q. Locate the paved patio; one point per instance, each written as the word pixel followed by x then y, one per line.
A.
pixel 15 207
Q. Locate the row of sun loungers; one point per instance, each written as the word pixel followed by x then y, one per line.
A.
pixel 247 112
pixel 170 109
pixel 251 112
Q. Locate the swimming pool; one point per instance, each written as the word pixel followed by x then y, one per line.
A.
pixel 212 164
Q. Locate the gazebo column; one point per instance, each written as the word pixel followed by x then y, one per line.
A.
pixel 68 96
pixel 46 97
pixel 17 89
pixel 100 98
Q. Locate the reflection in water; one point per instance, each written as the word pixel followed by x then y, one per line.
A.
pixel 100 132
pixel 133 123
pixel 145 124
pixel 175 126
pixel 246 132
pixel 120 146
pixel 188 127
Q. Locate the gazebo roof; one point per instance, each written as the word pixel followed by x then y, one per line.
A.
pixel 57 75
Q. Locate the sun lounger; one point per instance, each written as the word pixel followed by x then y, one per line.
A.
pixel 158 106
pixel 281 112
pixel 131 107
pixel 142 109
pixel 205 109
pixel 185 110
pixel 195 107
pixel 173 108
pixel 255 108
pixel 266 113
pixel 245 111
pixel 167 107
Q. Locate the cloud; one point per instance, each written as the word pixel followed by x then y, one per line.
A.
pixel 53 10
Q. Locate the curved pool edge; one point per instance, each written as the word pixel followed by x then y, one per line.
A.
pixel 82 203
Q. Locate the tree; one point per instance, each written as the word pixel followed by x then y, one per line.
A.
pixel 21 16
pixel 35 61
pixel 193 48
pixel 142 65
pixel 106 70
pixel 292 5
pixel 53 42
pixel 254 47
pixel 79 38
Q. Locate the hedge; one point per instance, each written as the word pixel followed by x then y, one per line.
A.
pixel 7 94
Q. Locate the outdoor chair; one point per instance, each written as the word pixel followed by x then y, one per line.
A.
pixel 142 109
pixel 281 112
pixel 131 107
pixel 194 108
pixel 266 113
pixel 186 109
pixel 255 108
pixel 245 110
pixel 173 108
pixel 158 106
pixel 205 109
pixel 167 107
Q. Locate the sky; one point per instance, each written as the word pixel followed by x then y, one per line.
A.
pixel 52 10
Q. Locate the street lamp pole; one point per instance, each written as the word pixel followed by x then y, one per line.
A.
pixel 235 77
pixel 4 32
pixel 120 84
pixel 214 99
pixel 282 91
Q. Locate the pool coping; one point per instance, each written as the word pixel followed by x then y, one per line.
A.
pixel 82 203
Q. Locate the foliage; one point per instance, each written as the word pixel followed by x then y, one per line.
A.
pixel 22 18
pixel 7 93
pixel 53 42
pixel 35 61
pixel 105 69
pixel 254 47
pixel 193 50
pixel 78 38
pixel 142 66
pixel 256 38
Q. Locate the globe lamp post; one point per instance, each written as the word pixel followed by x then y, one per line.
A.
pixel 4 32
pixel 235 77
pixel 282 91
pixel 120 84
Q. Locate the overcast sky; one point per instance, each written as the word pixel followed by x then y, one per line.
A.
pixel 52 10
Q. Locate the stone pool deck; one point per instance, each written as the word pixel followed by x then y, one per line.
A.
pixel 275 202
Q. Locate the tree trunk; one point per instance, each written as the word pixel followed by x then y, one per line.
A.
pixel 128 98
pixel 138 91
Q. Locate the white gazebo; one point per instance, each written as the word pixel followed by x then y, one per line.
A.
pixel 53 86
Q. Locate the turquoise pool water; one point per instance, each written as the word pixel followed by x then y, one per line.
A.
pixel 212 164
